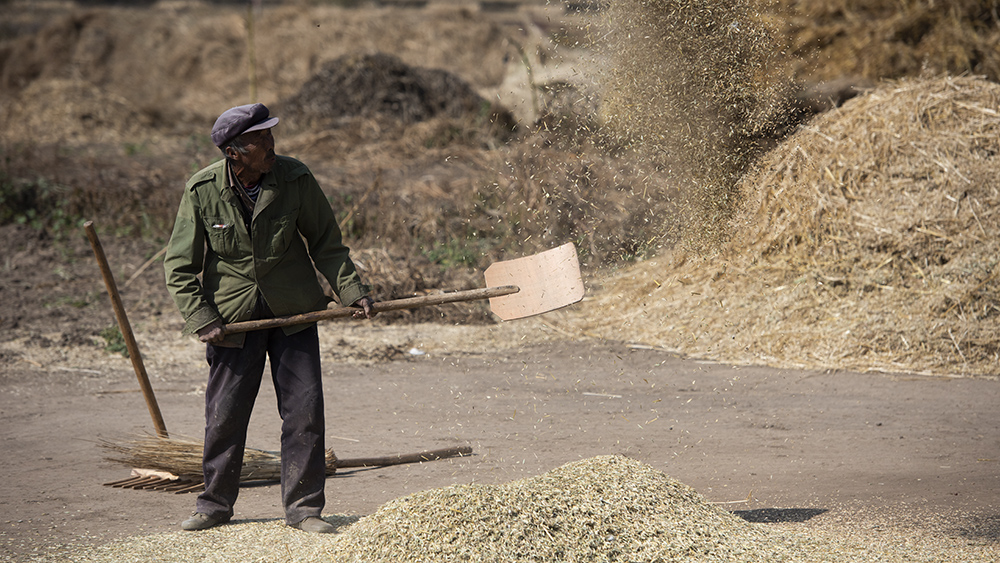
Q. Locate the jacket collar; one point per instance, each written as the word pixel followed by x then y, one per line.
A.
pixel 268 187
pixel 226 188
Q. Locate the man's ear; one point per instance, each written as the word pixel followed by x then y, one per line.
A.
pixel 231 153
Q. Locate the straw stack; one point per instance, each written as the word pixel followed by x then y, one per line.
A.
pixel 866 242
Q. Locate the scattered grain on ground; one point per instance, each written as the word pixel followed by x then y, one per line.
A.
pixel 606 508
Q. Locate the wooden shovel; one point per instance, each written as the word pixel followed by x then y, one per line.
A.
pixel 517 288
pixel 534 285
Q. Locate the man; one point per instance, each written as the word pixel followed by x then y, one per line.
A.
pixel 248 232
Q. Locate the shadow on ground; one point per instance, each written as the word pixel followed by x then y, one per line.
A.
pixel 779 515
pixel 981 527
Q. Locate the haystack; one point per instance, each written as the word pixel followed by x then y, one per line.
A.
pixel 867 241
pixel 881 39
pixel 60 110
pixel 380 85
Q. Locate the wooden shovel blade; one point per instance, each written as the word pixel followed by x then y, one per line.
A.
pixel 537 284
pixel 548 281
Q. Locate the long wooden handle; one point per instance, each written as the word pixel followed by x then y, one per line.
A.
pixel 382 306
pixel 399 459
pixel 126 328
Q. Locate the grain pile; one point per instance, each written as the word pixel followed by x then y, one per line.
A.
pixel 607 508
pixel 867 242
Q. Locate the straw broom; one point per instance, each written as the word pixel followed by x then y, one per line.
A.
pixel 176 463
pixel 182 457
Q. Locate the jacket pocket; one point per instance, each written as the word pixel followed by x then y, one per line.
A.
pixel 284 230
pixel 222 236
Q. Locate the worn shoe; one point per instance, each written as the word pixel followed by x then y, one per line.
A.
pixel 202 521
pixel 315 525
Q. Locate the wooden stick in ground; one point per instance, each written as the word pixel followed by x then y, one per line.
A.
pixel 382 306
pixel 126 328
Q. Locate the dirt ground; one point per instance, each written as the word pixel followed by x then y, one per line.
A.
pixel 874 454
pixel 866 452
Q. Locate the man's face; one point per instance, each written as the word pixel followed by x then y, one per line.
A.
pixel 260 155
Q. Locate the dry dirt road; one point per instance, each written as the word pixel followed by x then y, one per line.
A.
pixel 868 451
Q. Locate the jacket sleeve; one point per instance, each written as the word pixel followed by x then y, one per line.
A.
pixel 183 262
pixel 318 226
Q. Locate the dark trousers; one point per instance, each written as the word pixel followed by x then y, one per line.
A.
pixel 234 378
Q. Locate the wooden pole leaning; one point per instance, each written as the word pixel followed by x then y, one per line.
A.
pixel 126 329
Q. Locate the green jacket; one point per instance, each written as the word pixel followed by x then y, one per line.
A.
pixel 293 229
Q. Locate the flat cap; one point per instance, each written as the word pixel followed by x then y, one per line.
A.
pixel 239 120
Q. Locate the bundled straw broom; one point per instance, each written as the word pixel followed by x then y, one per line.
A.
pixel 181 459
